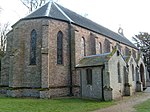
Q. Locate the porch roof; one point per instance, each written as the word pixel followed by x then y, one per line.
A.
pixel 93 60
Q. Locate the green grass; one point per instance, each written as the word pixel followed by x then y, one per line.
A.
pixel 143 107
pixel 8 104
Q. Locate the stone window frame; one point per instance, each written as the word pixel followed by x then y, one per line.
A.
pixel 60 47
pixel 119 72
pixel 33 42
pixel 89 76
pixel 100 48
pixel 133 71
pixel 92 44
pixel 84 46
pixel 107 47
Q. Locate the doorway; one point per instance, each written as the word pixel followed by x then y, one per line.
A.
pixel 142 75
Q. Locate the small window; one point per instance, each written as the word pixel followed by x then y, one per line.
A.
pixel 59 47
pixel 119 75
pixel 89 76
pixel 106 46
pixel 132 72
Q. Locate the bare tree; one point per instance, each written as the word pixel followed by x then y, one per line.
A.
pixel 33 4
pixel 143 43
pixel 3 31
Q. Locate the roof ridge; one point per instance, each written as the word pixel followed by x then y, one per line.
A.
pixel 63 12
pixel 48 8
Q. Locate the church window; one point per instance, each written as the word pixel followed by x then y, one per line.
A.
pixel 83 47
pixel 59 47
pixel 127 51
pixel 100 48
pixel 33 48
pixel 119 74
pixel 132 72
pixel 92 44
pixel 89 76
pixel 106 46
pixel 134 53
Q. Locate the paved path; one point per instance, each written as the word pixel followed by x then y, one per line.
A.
pixel 127 103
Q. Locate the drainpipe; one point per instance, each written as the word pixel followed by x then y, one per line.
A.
pixel 102 76
pixel 70 59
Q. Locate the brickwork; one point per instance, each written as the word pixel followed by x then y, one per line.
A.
pixel 53 79
pixel 58 73
pixel 81 32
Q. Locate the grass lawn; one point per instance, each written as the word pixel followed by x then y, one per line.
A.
pixel 143 107
pixel 8 104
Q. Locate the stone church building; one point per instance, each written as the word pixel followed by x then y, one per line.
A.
pixel 56 52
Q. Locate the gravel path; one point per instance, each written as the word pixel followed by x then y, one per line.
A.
pixel 127 103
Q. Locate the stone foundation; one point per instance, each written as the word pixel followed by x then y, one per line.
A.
pixel 23 93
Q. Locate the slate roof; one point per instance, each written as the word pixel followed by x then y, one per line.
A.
pixel 93 60
pixel 56 11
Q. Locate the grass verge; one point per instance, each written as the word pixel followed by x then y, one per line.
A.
pixel 8 104
pixel 143 107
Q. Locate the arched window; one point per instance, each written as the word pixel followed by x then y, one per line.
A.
pixel 33 48
pixel 127 51
pixel 83 47
pixel 134 53
pixel 100 48
pixel 106 46
pixel 59 47
pixel 119 74
pixel 92 44
pixel 132 72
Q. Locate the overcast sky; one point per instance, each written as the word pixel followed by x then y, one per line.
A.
pixel 132 15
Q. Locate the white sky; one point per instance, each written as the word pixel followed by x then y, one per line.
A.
pixel 132 15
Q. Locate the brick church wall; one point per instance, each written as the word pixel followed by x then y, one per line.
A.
pixel 47 73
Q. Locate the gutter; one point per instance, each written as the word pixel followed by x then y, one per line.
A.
pixel 102 76
pixel 70 59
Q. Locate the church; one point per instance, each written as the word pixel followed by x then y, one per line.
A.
pixel 56 52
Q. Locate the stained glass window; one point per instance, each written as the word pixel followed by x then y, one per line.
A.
pixel 83 47
pixel 119 74
pixel 59 47
pixel 33 48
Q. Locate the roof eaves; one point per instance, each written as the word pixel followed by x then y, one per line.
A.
pixel 42 17
pixel 89 66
